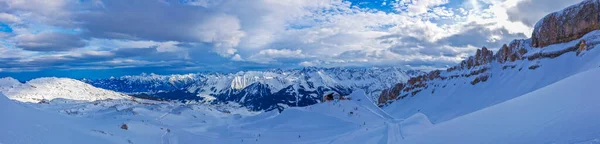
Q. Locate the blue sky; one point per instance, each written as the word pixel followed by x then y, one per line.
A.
pixel 102 38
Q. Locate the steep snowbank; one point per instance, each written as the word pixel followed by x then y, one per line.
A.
pixel 415 124
pixel 564 112
pixel 39 89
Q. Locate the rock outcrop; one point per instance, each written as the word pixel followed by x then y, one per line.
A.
pixel 514 51
pixel 391 94
pixel 482 56
pixel 569 24
pixel 416 84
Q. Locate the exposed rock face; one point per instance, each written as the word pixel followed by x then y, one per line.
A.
pixel 482 56
pixel 514 51
pixel 415 85
pixel 582 47
pixel 390 94
pixel 567 25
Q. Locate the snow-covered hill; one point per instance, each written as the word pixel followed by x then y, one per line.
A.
pixel 564 112
pixel 40 89
pixel 23 125
pixel 259 90
pixel 517 68
pixel 455 93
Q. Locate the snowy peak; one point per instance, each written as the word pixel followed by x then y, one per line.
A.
pixel 297 87
pixel 40 89
pixel 8 81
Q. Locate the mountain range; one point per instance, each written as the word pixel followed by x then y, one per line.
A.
pixel 536 90
pixel 256 90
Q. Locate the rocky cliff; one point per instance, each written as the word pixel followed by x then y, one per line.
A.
pixel 569 24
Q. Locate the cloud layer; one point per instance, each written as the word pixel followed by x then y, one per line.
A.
pixel 200 35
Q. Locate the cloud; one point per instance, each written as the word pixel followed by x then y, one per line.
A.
pixel 269 55
pixel 531 11
pixel 237 57
pixel 49 41
pixel 260 34
pixel 416 7
pixel 9 18
pixel 481 36
pixel 223 32
pixel 309 63
pixel 54 12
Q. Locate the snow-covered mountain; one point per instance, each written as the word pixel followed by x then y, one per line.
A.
pixel 563 112
pixel 553 114
pixel 40 89
pixel 520 67
pixel 259 90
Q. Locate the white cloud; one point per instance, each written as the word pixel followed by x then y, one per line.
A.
pixel 55 12
pixel 169 46
pixel 309 63
pixel 223 31
pixel 530 11
pixel 416 7
pixel 278 32
pixel 9 18
pixel 269 55
pixel 237 57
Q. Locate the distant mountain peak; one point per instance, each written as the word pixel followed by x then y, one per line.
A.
pixel 294 87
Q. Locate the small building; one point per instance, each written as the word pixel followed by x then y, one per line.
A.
pixel 334 96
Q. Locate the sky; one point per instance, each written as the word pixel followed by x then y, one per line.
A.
pixel 103 38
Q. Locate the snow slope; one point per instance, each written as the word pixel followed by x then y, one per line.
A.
pixel 23 125
pixel 446 99
pixel 39 89
pixel 564 112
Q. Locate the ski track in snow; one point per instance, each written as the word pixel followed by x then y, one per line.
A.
pixel 393 133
